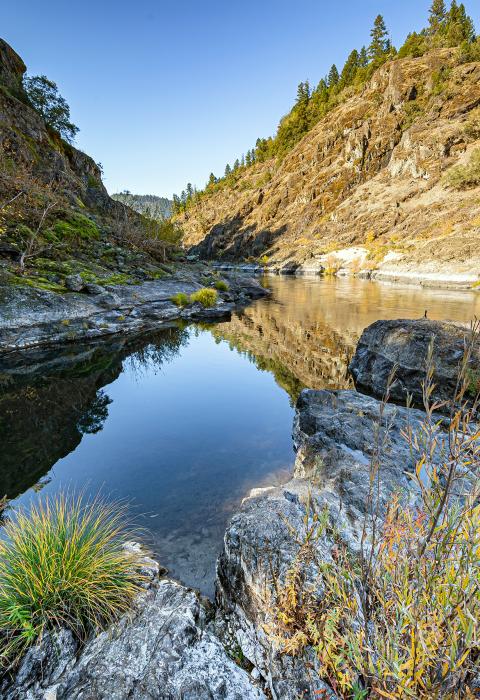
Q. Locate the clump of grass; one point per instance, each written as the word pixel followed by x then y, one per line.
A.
pixel 63 563
pixel 462 176
pixel 221 285
pixel 332 265
pixel 180 299
pixel 207 297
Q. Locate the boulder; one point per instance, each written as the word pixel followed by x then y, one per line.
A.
pixel 404 344
pixel 74 283
pixel 92 288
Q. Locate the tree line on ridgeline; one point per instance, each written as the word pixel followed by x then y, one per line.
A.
pixel 447 28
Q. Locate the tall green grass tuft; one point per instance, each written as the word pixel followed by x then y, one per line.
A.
pixel 63 563
pixel 207 297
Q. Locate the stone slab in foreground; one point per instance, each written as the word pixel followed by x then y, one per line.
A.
pixel 335 434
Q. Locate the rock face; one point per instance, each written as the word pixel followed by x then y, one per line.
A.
pixel 32 317
pixel 404 344
pixel 165 649
pixel 335 434
pixel 365 183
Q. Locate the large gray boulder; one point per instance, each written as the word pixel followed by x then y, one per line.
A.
pixel 404 344
pixel 164 649
pixel 335 436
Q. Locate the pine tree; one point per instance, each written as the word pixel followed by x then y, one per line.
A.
pixel 189 191
pixel 177 205
pixel 212 179
pixel 236 165
pixel 228 170
pixel 380 43
pixel 303 93
pixel 363 57
pixel 242 161
pixel 333 76
pixel 458 26
pixel 248 159
pixel 350 68
pixel 437 18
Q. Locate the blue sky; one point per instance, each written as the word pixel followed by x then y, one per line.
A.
pixel 166 92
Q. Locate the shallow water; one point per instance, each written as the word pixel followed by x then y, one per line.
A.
pixel 184 422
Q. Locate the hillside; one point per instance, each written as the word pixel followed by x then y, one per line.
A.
pixel 368 187
pixel 59 229
pixel 150 205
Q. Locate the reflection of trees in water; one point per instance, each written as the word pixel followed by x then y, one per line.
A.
pixel 299 351
pixel 44 413
pixel 158 351
pixel 95 415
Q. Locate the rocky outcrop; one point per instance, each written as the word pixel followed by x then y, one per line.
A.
pixel 27 142
pixel 365 184
pixel 335 437
pixel 33 317
pixel 165 649
pixel 404 345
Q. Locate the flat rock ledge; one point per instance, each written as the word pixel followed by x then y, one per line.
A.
pixel 404 344
pixel 32 317
pixel 166 649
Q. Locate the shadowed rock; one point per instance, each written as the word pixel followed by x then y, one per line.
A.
pixel 404 344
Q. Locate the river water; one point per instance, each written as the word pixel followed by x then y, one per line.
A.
pixel 183 422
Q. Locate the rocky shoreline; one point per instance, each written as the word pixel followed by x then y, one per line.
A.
pixel 464 281
pixel 31 317
pixel 176 644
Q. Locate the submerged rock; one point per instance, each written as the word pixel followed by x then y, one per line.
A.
pixel 404 344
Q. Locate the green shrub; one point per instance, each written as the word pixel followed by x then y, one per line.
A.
pixel 472 125
pixel 207 297
pixel 461 176
pixel 63 563
pixel 180 299
pixel 77 226
pixel 221 285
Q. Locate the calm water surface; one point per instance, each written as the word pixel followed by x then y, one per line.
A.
pixel 184 422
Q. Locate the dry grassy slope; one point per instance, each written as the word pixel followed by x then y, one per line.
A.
pixel 371 169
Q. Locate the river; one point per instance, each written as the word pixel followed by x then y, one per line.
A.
pixel 183 422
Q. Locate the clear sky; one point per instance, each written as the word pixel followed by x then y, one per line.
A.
pixel 166 92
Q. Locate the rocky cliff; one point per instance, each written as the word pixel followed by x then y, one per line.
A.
pixel 56 217
pixel 29 146
pixel 365 188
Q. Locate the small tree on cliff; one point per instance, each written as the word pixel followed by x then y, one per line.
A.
pixel 45 98
pixel 437 18
pixel 380 44
pixel 333 76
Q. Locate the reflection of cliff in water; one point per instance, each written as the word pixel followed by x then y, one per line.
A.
pixel 292 341
pixel 48 402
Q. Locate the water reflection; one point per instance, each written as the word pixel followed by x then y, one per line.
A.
pixel 182 423
pixel 48 405
pixel 307 332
